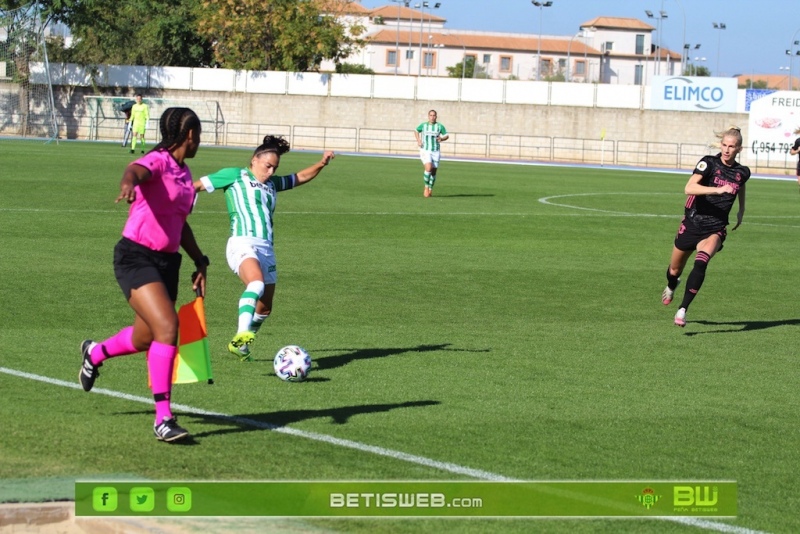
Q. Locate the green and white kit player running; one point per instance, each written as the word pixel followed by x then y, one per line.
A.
pixel 251 194
pixel 429 137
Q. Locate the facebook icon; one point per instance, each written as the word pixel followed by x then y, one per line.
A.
pixel 104 499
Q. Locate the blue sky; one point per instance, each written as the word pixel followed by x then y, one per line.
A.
pixel 754 41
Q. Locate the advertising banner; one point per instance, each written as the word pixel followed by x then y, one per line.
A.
pixel 694 93
pixel 774 119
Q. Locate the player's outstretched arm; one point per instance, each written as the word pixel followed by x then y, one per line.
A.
pixel 134 175
pixel 306 175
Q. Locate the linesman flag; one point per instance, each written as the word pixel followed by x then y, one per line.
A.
pixel 194 358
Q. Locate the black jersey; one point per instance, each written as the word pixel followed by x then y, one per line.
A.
pixel 795 148
pixel 710 212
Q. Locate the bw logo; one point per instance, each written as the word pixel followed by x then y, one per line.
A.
pixel 695 496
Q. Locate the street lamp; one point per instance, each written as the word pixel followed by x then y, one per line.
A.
pixel 569 48
pixel 718 26
pixel 698 60
pixel 540 5
pixel 788 70
pixel 440 46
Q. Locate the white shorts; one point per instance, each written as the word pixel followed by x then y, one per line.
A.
pixel 241 248
pixel 430 156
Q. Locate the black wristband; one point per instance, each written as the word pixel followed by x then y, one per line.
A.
pixel 202 262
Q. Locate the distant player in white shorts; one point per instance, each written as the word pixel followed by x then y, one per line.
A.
pixel 429 137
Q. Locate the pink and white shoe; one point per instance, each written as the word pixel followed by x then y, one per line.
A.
pixel 667 294
pixel 680 317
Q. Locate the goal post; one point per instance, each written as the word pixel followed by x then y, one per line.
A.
pixel 106 118
pixel 27 106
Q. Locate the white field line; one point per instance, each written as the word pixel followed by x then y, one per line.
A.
pixel 362 447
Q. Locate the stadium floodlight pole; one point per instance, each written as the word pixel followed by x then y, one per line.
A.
pixel 421 27
pixel 410 33
pixel 719 26
pixel 407 3
pixel 791 56
pixel 661 15
pixel 541 6
pixel 437 5
pixel 685 46
pixel 397 38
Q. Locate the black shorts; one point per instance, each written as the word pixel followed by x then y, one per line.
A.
pixel 136 265
pixel 689 235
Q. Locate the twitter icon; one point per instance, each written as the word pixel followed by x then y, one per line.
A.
pixel 142 499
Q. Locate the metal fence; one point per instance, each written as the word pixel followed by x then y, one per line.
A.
pixel 461 144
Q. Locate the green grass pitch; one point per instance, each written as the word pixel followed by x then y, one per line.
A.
pixel 510 324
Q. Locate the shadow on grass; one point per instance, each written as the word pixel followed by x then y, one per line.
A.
pixel 332 362
pixel 280 419
pixel 746 326
pixel 277 420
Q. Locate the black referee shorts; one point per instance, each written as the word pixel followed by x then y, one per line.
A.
pixel 136 265
pixel 689 235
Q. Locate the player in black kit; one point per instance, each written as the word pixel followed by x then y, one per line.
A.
pixel 715 183
pixel 795 150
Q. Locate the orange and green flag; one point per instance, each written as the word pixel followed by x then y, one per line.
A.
pixel 194 357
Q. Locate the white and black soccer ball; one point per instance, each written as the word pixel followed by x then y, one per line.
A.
pixel 292 363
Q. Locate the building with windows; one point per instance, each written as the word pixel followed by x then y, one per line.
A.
pixel 402 40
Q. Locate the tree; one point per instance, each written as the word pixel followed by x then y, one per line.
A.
pixel 468 65
pixel 290 35
pixel 754 84
pixel 134 32
pixel 353 68
pixel 695 70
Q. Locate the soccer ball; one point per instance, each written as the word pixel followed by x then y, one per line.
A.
pixel 292 363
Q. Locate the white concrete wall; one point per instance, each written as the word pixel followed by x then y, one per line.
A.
pixel 402 87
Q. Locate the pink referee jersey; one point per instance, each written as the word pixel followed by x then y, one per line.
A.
pixel 163 202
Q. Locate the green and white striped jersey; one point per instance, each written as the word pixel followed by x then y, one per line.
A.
pixel 428 133
pixel 250 203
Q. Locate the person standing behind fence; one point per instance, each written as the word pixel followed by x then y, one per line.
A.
pixel 717 181
pixel 429 137
pixel 140 114
pixel 794 151
pixel 126 132
pixel 147 263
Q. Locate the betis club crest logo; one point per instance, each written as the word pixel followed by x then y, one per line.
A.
pixel 648 497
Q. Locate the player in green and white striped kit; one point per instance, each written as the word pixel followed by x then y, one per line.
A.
pixel 429 137
pixel 251 194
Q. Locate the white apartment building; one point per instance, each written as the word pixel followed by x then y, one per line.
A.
pixel 402 40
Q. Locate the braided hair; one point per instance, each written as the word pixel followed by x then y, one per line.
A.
pixel 272 143
pixel 175 125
